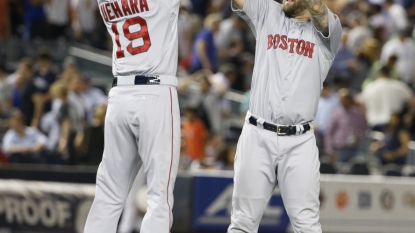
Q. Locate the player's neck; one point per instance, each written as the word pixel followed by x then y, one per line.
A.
pixel 303 16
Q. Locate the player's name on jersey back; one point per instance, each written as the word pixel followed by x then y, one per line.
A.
pixel 122 8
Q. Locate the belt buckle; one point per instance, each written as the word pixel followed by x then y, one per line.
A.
pixel 279 131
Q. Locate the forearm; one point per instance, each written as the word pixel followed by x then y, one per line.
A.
pixel 319 14
pixel 204 59
pixel 401 152
pixel 239 3
pixel 37 114
pixel 66 129
pixel 15 149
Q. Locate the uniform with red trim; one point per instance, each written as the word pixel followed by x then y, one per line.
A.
pixel 142 125
pixel 296 43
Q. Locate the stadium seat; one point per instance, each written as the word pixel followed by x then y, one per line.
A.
pixel 359 168
pixel 327 168
pixel 392 170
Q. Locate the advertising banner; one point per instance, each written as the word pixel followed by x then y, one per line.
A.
pixel 212 205
pixel 27 206
pixel 361 204
pixel 367 204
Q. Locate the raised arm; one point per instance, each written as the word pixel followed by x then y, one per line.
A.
pixel 319 13
pixel 239 3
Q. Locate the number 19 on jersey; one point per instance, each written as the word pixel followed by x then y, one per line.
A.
pixel 131 36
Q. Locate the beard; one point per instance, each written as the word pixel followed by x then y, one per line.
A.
pixel 293 9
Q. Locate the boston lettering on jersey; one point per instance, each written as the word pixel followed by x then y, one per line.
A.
pixel 301 47
pixel 123 8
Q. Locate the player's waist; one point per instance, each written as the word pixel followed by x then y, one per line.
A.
pixel 281 130
pixel 130 80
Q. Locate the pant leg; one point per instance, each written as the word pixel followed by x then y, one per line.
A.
pixel 118 169
pixel 299 182
pixel 159 148
pixel 130 216
pixel 254 180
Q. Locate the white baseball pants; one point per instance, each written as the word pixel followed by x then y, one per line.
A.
pixel 262 158
pixel 142 130
pixel 131 218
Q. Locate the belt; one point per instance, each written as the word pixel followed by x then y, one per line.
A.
pixel 141 80
pixel 281 130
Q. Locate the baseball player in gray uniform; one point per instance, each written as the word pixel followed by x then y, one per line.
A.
pixel 296 45
pixel 142 125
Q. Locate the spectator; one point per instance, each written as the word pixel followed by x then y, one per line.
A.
pixel 185 33
pixel 377 66
pixel 204 54
pixel 23 64
pixel 25 91
pixel 70 69
pixel 378 22
pixel 77 98
pixel 84 20
pixel 397 17
pixel 203 97
pixel 230 29
pixel 367 55
pixel 346 129
pixel 358 33
pixel 383 97
pixel 5 92
pixel 23 144
pixel 93 96
pixel 223 81
pixel 226 158
pixel 44 77
pixel 243 82
pixel 328 103
pixel 342 65
pixel 394 148
pixel 5 27
pixel 58 17
pixel 194 133
pixel 404 48
pixel 35 24
pixel 90 143
pixel 214 146
pixel 61 123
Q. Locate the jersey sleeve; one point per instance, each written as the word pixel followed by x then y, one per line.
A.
pixel 332 41
pixel 254 13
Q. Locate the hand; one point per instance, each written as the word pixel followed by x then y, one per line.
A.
pixel 374 147
pixel 37 148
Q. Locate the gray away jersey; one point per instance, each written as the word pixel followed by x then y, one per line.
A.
pixel 144 35
pixel 291 62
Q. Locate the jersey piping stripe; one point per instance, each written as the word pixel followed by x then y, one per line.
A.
pixel 171 159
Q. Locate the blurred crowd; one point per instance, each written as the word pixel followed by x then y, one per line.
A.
pixel 54 113
pixel 51 114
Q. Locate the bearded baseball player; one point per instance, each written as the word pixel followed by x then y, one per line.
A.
pixel 142 125
pixel 296 45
